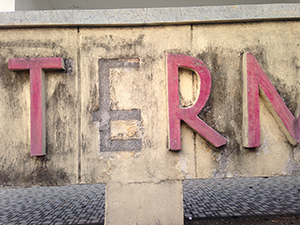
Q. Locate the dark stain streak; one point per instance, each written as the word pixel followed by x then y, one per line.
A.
pixel 31 44
pixel 41 175
pixel 110 43
pixel 69 66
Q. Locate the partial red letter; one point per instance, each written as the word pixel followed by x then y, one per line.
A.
pixel 37 103
pixel 188 115
pixel 256 82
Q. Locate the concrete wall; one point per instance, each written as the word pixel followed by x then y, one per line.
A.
pixel 107 113
pixel 221 48
pixel 60 166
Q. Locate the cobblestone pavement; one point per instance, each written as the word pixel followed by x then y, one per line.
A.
pixel 74 204
pixel 235 197
pixel 212 198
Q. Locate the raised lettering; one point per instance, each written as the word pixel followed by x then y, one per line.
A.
pixel 37 103
pixel 190 114
pixel 257 83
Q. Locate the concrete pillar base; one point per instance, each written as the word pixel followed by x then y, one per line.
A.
pixel 144 203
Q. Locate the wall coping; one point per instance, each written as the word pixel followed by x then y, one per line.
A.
pixel 150 16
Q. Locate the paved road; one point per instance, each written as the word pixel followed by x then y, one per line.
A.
pixel 261 220
pixel 213 198
pixel 236 197
pixel 74 204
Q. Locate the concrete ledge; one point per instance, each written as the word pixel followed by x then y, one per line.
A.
pixel 150 16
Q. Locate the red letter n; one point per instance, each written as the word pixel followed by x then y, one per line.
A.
pixel 257 83
pixel 37 103
pixel 188 115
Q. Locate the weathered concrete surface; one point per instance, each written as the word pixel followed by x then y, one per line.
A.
pixel 144 203
pixel 60 165
pixel 276 47
pixel 143 88
pixel 274 44
pixel 220 46
pixel 147 171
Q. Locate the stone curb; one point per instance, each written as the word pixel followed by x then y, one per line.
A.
pixel 150 16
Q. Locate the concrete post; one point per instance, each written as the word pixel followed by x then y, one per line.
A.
pixel 144 203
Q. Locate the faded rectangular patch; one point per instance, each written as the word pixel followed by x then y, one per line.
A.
pixel 125 129
pixel 120 130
